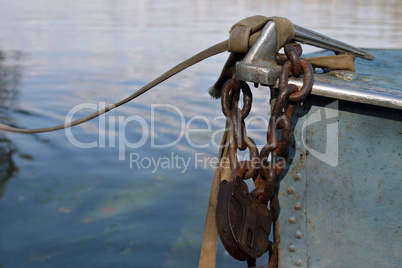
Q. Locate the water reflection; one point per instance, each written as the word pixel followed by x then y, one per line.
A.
pixel 10 81
pixel 72 205
pixel 7 166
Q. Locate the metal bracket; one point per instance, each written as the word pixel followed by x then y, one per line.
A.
pixel 259 64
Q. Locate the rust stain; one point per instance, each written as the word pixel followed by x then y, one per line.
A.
pixel 379 191
pixel 300 164
pixel 325 179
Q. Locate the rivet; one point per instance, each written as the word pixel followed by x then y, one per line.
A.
pixel 299 263
pixel 290 190
pixel 292 219
pixel 259 253
pixel 297 177
pixel 298 206
pixel 299 234
pixel 292 248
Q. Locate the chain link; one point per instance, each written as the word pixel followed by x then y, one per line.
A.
pixel 265 166
pixel 236 116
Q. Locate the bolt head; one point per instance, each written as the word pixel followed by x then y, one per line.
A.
pixel 299 235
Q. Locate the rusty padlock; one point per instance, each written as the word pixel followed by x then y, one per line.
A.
pixel 243 222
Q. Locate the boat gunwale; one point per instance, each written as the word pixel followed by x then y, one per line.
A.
pixel 355 93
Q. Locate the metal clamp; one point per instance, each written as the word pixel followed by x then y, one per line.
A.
pixel 259 64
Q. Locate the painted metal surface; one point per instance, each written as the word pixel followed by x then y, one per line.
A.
pixel 341 197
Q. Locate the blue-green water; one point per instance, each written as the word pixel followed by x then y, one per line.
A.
pixel 111 205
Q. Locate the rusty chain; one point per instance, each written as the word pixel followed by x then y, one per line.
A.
pixel 265 166
pixel 236 116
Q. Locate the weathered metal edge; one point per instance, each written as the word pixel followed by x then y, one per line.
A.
pixel 353 93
